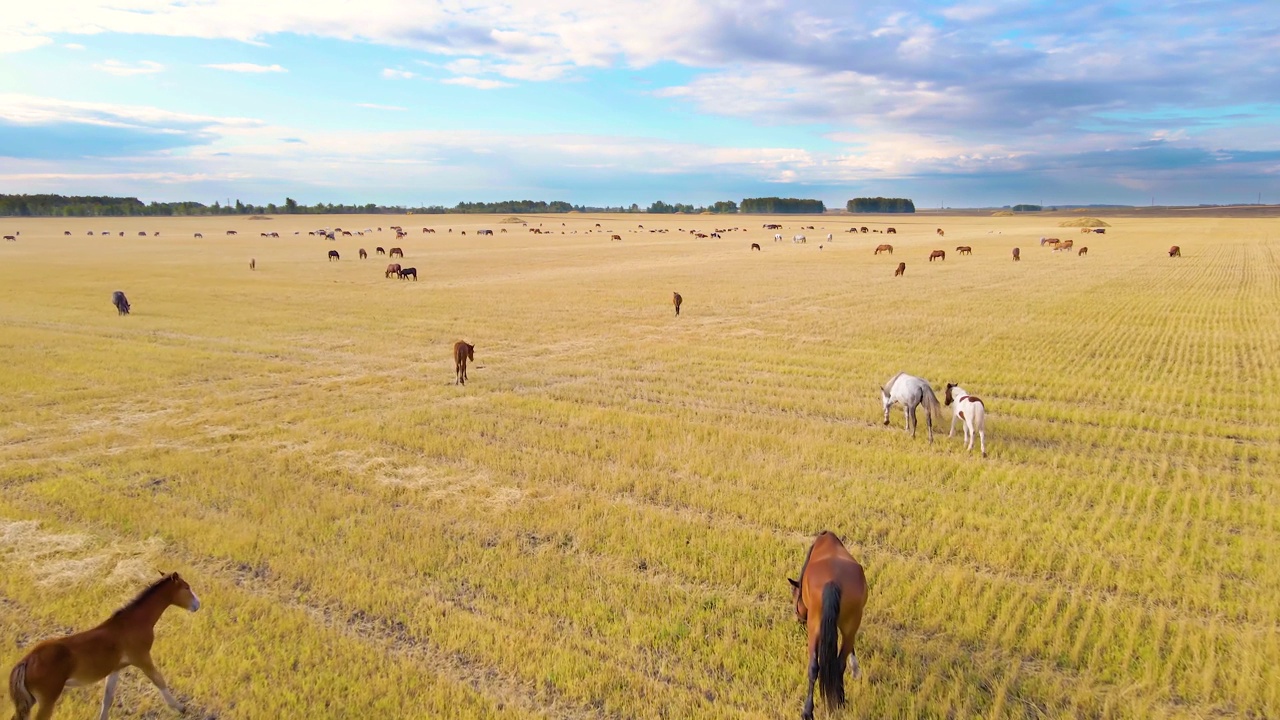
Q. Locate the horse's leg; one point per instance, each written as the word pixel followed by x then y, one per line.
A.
pixel 109 694
pixel 912 421
pixel 807 714
pixel 928 421
pixel 45 703
pixel 968 434
pixel 145 665
pixel 846 651
pixel 952 431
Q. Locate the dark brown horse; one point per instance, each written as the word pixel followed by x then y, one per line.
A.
pixel 1083 251
pixel 890 231
pixel 462 352
pixel 380 251
pixel 84 658
pixel 406 272
pixel 829 598
pixel 393 269
pixel 940 233
pixel 1175 251
pixel 884 248
pixel 1017 254
pixel 393 252
pixel 121 302
pixel 253 264
pixel 676 300
pixel 363 254
pixel 902 269
pixel 333 255
pixel 755 246
pixel 938 254
pixel 964 250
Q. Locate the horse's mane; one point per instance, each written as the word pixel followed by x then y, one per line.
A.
pixel 146 593
pixel 889 385
pixel 809 554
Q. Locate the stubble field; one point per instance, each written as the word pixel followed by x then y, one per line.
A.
pixel 602 521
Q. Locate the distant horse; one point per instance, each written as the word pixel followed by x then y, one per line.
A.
pixel 676 300
pixel 890 231
pixel 902 269
pixel 1175 251
pixel 406 272
pixel 940 233
pixel 393 252
pixel 777 237
pixel 798 239
pixel 970 410
pixel 755 246
pixel 11 238
pixel 66 232
pixel 1086 230
pixel 253 264
pixel 615 237
pixel 363 254
pixel 964 250
pixel 1083 251
pixel 829 598
pixel 1067 245
pixel 199 235
pixel 863 230
pixel 393 269
pixel 333 255
pixel 884 248
pixel 84 658
pixel 121 302
pixel 231 232
pixel 380 251
pixel 462 352
pixel 911 391
pixel 1100 231
pixel 938 254
pixel 1017 254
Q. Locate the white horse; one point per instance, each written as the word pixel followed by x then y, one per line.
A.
pixel 911 391
pixel 829 237
pixel 777 237
pixel 798 239
pixel 970 409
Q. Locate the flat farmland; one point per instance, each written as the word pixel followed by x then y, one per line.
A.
pixel 601 523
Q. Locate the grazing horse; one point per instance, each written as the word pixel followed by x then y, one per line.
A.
pixel 1086 230
pixel 940 233
pixel 969 409
pixel 755 246
pixel 363 254
pixel 253 264
pixel 11 238
pixel 939 254
pixel 66 232
pixel 1100 231
pixel 1017 254
pixel 393 269
pixel 884 248
pixel 1083 251
pixel 964 250
pixel 462 352
pixel 394 252
pixel 1067 245
pixel 380 251
pixel 902 269
pixel 333 255
pixel 829 598
pixel 676 300
pixel 911 391
pixel 231 232
pixel 864 230
pixel 890 231
pixel 1175 251
pixel 121 302
pixel 777 237
pixel 615 237
pixel 798 239
pixel 199 235
pixel 406 272
pixel 84 658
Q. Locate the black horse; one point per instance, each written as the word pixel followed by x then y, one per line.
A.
pixel 406 272
pixel 333 255
pixel 121 302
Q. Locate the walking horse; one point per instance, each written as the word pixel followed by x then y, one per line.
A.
pixel 972 412
pixel 84 658
pixel 829 598
pixel 912 392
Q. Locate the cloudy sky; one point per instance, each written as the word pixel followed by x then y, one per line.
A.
pixel 969 103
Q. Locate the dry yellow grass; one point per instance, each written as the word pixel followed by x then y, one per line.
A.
pixel 602 521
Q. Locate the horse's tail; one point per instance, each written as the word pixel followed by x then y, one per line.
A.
pixel 830 671
pixel 931 405
pixel 23 700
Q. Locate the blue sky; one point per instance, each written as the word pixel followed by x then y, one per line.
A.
pixel 970 103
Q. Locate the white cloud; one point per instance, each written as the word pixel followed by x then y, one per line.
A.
pixel 35 110
pixel 15 42
pixel 394 74
pixel 477 83
pixel 116 67
pixel 244 67
pixel 73 46
pixel 375 106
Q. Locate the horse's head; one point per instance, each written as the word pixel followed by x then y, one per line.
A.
pixel 181 593
pixel 887 400
pixel 802 612
pixel 949 386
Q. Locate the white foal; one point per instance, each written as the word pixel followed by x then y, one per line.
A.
pixel 970 409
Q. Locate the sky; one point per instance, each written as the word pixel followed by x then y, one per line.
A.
pixel 974 103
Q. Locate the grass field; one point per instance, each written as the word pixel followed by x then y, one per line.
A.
pixel 601 523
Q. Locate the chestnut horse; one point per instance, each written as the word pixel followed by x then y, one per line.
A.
pixel 940 233
pixel 829 598
pixel 393 269
pixel 755 246
pixel 964 250
pixel 676 300
pixel 1017 254
pixel 253 264
pixel 884 248
pixel 938 254
pixel 394 252
pixel 462 352
pixel 84 658
pixel 363 254
pixel 380 251
pixel 1083 251
pixel 1175 251
pixel 902 269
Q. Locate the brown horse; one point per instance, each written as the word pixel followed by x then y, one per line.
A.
pixel 1017 254
pixel 676 300
pixel 938 254
pixel 394 252
pixel 755 246
pixel 1175 251
pixel 1083 251
pixel 890 231
pixel 829 598
pixel 253 264
pixel 363 254
pixel 406 272
pixel 462 352
pixel 84 658
pixel 380 251
pixel 940 233
pixel 964 250
pixel 615 237
pixel 884 248
pixel 333 255
pixel 902 269
pixel 393 269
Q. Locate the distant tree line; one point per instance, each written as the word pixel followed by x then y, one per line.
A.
pixel 776 205
pixel 880 205
pixel 1026 208
pixel 660 207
